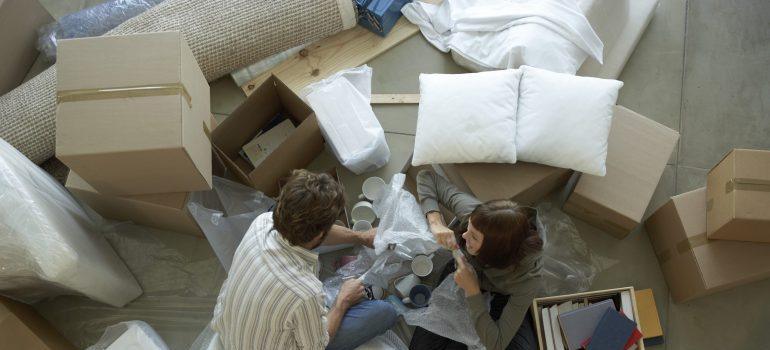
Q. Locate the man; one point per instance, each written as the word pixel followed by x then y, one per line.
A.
pixel 273 299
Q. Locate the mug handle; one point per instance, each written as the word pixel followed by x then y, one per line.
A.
pixel 406 300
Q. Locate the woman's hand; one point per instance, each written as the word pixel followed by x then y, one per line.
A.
pixel 444 236
pixel 465 277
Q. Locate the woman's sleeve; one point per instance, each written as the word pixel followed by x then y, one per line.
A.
pixel 433 189
pixel 496 335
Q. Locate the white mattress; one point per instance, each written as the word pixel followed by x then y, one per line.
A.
pixel 620 24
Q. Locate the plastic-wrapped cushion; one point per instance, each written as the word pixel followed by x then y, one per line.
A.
pixel 92 21
pixel 225 213
pixel 402 222
pixel 49 245
pixel 129 335
pixel 342 106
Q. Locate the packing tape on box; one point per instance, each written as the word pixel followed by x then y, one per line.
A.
pixel 123 92
pixel 747 185
pixel 683 247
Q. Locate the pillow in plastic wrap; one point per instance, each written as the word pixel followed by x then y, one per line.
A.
pixel 49 245
pixel 128 336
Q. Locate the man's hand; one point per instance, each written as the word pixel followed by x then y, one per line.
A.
pixel 444 236
pixel 465 277
pixel 351 292
pixel 367 238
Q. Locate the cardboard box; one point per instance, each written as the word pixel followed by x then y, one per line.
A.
pixel 591 296
pixel 21 327
pixel 133 114
pixel 299 149
pixel 693 265
pixel 638 150
pixel 524 183
pixel 165 211
pixel 738 197
pixel 649 320
pixel 19 21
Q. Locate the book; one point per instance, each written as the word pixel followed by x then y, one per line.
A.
pixel 626 305
pixel 579 324
pixel 631 342
pixel 558 343
pixel 612 332
pixel 266 142
pixel 648 317
pixel 547 333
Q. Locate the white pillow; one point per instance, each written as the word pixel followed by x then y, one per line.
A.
pixel 467 118
pixel 564 120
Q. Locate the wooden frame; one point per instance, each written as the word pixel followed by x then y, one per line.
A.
pixel 537 303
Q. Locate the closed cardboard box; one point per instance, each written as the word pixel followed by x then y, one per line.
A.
pixel 133 114
pixel 19 21
pixel 21 327
pixel 296 152
pixel 738 192
pixel 693 265
pixel 524 183
pixel 165 211
pixel 638 150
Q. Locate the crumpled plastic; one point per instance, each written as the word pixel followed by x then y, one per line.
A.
pixel 344 112
pixel 93 21
pixel 133 335
pixel 49 244
pixel 225 213
pixel 402 222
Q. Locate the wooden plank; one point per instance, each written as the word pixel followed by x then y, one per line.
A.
pixel 346 49
pixel 395 99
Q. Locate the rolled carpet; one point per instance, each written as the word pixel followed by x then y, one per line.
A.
pixel 223 34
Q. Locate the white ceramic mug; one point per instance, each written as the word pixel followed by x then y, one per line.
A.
pixel 405 284
pixel 363 211
pixel 362 226
pixel 373 187
pixel 422 265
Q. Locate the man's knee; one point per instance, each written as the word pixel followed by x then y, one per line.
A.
pixel 386 312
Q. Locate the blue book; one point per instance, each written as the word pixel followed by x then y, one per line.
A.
pixel 612 332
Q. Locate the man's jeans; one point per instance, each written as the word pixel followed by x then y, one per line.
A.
pixel 363 322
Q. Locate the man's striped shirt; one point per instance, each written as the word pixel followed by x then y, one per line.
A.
pixel 272 298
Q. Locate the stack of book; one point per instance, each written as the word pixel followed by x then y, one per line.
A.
pixel 599 321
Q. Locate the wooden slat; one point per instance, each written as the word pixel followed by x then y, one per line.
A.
pixel 346 49
pixel 395 98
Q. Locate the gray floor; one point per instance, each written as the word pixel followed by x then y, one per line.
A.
pixel 701 68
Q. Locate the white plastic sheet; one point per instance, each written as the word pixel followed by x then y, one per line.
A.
pixel 225 213
pixel 342 106
pixel 129 335
pixel 498 34
pixel 49 245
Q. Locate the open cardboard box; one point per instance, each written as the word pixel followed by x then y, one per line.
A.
pixel 21 327
pixel 296 152
pixel 539 303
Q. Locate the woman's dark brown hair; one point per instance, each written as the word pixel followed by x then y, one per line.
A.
pixel 308 205
pixel 509 233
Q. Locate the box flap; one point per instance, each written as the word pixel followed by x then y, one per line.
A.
pixel 638 150
pixel 148 59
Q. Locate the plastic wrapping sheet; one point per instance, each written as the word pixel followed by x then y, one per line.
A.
pixel 93 21
pixel 569 266
pixel 386 341
pixel 225 214
pixel 402 222
pixel 181 278
pixel 130 335
pixel 49 245
pixel 347 121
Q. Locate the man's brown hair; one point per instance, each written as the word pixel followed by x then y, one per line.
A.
pixel 509 233
pixel 308 205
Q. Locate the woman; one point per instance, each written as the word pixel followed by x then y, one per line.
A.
pixel 502 246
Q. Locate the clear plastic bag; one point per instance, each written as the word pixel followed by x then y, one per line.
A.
pixel 569 266
pixel 342 105
pixel 130 335
pixel 225 214
pixel 93 21
pixel 49 244
pixel 386 341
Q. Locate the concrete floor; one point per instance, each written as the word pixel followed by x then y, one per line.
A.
pixel 701 68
